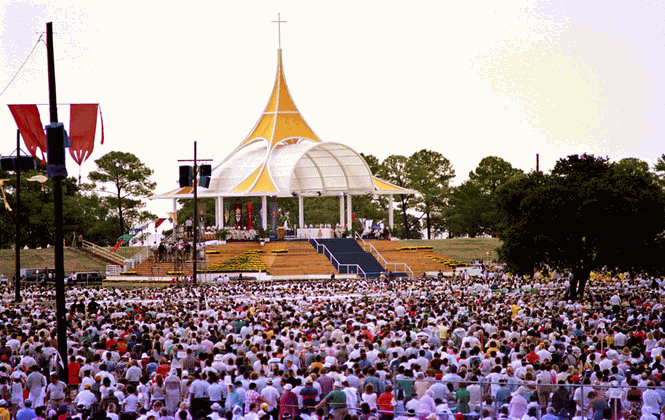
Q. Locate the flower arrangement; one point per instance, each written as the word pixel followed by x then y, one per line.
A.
pixel 447 261
pixel 128 273
pixel 279 251
pixel 175 273
pixel 212 251
pixel 415 248
pixel 248 261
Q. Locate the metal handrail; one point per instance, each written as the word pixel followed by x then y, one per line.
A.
pixel 407 269
pixel 99 251
pixel 331 257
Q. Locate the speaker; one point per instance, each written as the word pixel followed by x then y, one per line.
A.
pixel 204 181
pixel 55 140
pixel 206 170
pixel 7 163
pixel 185 176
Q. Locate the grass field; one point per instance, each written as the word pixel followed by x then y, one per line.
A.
pixel 465 250
pixel 41 258
pixel 461 249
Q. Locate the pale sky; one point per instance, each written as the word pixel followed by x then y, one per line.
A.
pixel 466 79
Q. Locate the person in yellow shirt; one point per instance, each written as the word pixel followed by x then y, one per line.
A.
pixel 4 414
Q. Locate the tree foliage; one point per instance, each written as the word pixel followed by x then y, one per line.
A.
pixel 473 208
pixel 588 214
pixel 126 180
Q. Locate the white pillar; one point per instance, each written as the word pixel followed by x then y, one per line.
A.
pixel 301 211
pixel 349 216
pixel 264 212
pixel 220 212
pixel 391 219
pixel 341 210
pixel 175 209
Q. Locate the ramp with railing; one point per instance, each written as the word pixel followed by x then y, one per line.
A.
pixel 348 257
pixel 398 269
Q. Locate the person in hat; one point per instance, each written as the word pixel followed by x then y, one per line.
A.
pixel 309 395
pixel 288 403
pixel 337 400
pixel 86 397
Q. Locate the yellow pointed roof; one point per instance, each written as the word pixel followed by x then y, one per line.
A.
pixel 280 122
pixel 282 157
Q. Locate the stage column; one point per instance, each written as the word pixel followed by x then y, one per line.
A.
pixel 219 212
pixel 301 212
pixel 391 219
pixel 349 216
pixel 264 212
pixel 341 209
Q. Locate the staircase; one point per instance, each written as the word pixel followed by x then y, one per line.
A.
pixel 348 257
pixel 419 260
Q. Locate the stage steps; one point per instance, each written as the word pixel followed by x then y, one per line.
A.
pixel 419 260
pixel 347 251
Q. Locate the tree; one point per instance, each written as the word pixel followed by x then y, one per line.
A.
pixel 473 209
pixel 659 169
pixel 430 173
pixel 128 180
pixel 394 171
pixel 588 214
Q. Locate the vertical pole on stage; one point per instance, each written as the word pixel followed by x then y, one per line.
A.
pixel 264 212
pixel 341 209
pixel 196 217
pixel 17 212
pixel 301 212
pixel 60 310
pixel 349 216
pixel 221 212
pixel 391 219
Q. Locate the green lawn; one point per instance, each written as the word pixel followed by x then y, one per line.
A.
pixel 461 249
pixel 41 258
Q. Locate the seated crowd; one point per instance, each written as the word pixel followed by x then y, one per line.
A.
pixel 490 347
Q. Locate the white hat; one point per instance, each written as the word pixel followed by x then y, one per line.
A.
pixel 288 387
pixel 337 384
pixel 144 356
pixel 215 407
pixel 218 358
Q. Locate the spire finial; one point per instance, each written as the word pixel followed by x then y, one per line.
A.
pixel 279 22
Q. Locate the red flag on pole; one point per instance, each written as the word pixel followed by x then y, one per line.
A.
pixel 30 125
pixel 82 128
pixel 116 246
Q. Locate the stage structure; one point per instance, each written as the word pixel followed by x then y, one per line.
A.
pixel 283 157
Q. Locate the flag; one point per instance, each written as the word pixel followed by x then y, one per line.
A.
pixel 30 125
pixel 159 222
pixel 39 178
pixel 4 197
pixel 116 246
pixel 82 128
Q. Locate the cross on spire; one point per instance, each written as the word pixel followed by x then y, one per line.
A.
pixel 279 22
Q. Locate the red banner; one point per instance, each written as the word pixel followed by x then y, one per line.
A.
pixel 30 125
pixel 116 246
pixel 82 128
pixel 159 222
pixel 249 216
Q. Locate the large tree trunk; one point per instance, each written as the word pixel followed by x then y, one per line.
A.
pixel 406 220
pixel 429 226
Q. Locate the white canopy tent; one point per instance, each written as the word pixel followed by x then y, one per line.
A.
pixel 282 157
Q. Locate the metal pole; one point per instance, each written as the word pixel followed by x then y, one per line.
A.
pixel 196 216
pixel 60 311
pixel 17 279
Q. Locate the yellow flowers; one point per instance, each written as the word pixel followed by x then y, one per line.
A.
pixel 212 251
pixel 414 248
pixel 128 273
pixel 279 251
pixel 248 261
pixel 447 261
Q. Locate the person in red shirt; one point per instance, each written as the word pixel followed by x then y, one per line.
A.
pixel 385 404
pixel 164 367
pixel 73 369
pixel 111 340
pixel 532 356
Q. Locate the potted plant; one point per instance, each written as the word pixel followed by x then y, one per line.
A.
pixel 262 233
pixel 222 234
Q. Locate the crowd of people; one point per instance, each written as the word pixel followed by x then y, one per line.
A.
pixel 492 347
